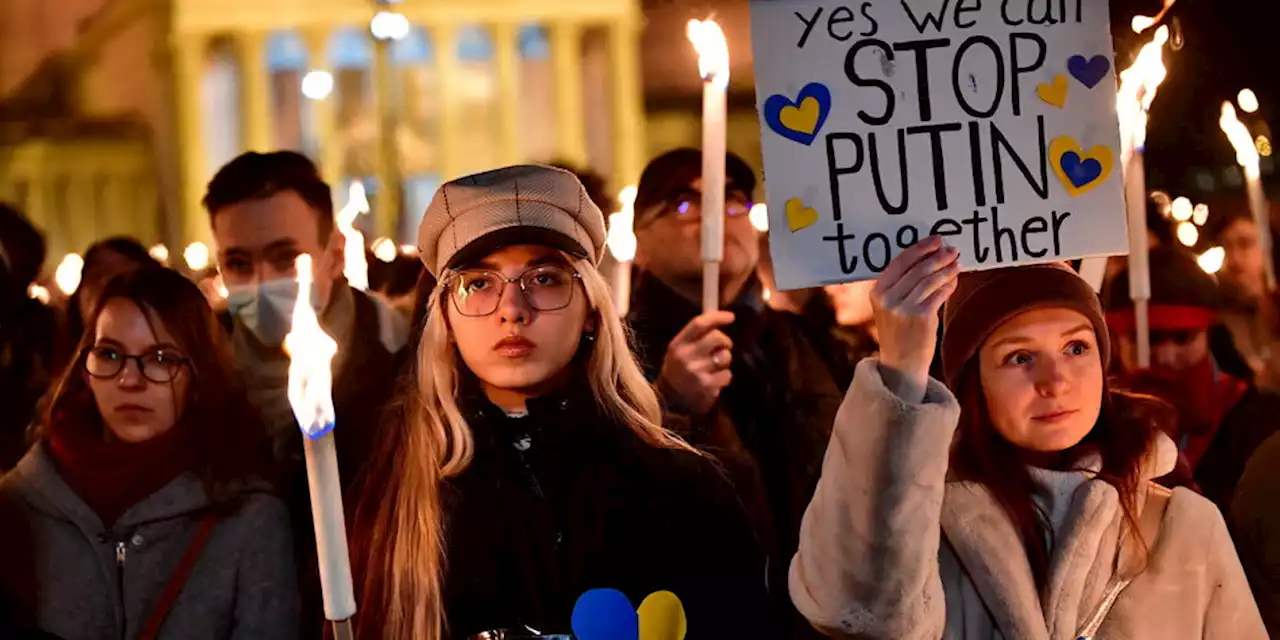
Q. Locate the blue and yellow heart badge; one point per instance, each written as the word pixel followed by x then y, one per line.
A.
pixel 1078 170
pixel 799 120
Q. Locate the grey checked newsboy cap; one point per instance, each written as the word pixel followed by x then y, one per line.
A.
pixel 473 216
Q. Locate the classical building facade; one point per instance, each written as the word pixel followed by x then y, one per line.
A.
pixel 119 124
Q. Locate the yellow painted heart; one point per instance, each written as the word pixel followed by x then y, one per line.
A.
pixel 802 119
pixel 1054 93
pixel 799 216
pixel 1080 171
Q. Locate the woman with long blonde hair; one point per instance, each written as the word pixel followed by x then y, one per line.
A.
pixel 529 464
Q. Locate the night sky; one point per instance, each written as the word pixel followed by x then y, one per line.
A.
pixel 1228 45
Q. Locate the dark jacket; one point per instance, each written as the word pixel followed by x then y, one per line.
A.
pixel 28 331
pixel 362 388
pixel 772 423
pixel 1243 429
pixel 565 500
pixel 94 582
pixel 1255 528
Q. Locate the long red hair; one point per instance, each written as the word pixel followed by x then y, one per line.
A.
pixel 1125 432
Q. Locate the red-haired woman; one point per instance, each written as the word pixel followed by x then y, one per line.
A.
pixel 146 514
pixel 1021 506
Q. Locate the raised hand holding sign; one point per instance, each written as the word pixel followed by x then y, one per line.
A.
pixel 906 299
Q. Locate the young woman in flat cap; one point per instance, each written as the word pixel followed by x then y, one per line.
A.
pixel 531 464
pixel 1016 501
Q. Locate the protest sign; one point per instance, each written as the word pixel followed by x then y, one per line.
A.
pixel 989 122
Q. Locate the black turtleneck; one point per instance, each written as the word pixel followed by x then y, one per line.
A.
pixel 565 499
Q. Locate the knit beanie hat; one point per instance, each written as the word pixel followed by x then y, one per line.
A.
pixel 984 300
pixel 1183 296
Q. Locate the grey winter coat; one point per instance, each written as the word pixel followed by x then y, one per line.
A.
pixel 893 548
pixel 96 583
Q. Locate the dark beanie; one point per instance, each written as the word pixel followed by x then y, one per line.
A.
pixel 671 173
pixel 1183 296
pixel 984 300
pixel 1176 280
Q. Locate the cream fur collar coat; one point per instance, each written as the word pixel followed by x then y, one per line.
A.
pixel 890 548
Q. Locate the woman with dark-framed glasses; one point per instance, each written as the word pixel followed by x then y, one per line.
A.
pixel 149 517
pixel 531 464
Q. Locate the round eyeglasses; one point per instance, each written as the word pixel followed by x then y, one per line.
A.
pixel 477 293
pixel 159 366
pixel 687 206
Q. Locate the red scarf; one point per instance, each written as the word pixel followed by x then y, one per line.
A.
pixel 1202 396
pixel 113 476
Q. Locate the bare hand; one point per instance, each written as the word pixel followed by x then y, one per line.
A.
pixel 906 299
pixel 696 367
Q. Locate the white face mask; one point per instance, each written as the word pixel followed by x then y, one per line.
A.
pixel 266 308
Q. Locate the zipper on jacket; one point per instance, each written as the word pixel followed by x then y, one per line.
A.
pixel 121 553
pixel 526 467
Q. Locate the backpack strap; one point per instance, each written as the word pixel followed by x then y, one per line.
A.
pixel 179 578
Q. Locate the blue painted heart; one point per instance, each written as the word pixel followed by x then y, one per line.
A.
pixel 799 120
pixel 1089 71
pixel 1079 171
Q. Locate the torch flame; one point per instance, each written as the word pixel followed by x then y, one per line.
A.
pixel 220 287
pixel 1248 101
pixel 1141 23
pixel 385 250
pixel 622 237
pixel 1246 153
pixel 1200 214
pixel 759 217
pixel 713 51
pixel 197 256
pixel 1211 261
pixel 1182 209
pixel 1138 86
pixel 67 275
pixel 311 351
pixel 160 253
pixel 37 292
pixel 1188 234
pixel 356 268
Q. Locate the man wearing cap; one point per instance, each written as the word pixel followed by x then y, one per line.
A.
pixel 750 382
pixel 265 210
pixel 1223 417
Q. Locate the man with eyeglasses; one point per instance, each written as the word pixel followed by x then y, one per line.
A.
pixel 747 384
pixel 1222 415
pixel 265 209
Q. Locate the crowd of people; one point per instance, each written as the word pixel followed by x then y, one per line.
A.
pixel 934 454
